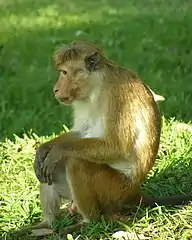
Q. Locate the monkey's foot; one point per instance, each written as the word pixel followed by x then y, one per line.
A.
pixel 72 209
pixel 41 232
pixel 40 225
pixel 40 229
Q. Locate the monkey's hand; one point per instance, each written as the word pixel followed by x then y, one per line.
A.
pixel 52 158
pixel 51 152
pixel 40 157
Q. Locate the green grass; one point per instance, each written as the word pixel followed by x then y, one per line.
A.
pixel 151 37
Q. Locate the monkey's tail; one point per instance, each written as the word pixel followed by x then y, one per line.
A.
pixel 149 201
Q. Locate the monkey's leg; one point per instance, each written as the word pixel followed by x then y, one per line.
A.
pixel 81 186
pixel 50 204
pixel 82 193
pixel 97 189
pixel 51 195
pixel 84 200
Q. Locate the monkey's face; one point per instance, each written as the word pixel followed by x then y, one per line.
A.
pixel 77 79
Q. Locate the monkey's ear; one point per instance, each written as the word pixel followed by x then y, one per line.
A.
pixel 92 62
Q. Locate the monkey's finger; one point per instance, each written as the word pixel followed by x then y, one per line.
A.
pixel 38 158
pixel 50 179
pixel 44 173
pixel 39 177
pixel 48 176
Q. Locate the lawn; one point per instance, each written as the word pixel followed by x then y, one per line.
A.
pixel 151 37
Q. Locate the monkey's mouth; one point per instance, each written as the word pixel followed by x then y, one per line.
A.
pixel 66 101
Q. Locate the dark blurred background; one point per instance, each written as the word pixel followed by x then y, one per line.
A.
pixel 151 37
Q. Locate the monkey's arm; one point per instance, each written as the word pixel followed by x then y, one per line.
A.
pixel 95 150
pixel 64 137
pixel 91 149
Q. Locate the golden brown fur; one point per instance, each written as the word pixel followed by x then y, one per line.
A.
pixel 102 162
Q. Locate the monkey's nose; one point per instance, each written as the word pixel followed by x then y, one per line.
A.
pixel 55 90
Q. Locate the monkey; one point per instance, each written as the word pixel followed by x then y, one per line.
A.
pixel 102 162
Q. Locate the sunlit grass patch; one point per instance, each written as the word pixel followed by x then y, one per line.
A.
pixel 171 175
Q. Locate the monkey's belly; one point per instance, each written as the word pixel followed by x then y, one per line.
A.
pixel 126 167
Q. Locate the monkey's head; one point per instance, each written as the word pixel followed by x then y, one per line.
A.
pixel 80 65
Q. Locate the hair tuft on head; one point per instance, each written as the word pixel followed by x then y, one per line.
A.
pixel 76 50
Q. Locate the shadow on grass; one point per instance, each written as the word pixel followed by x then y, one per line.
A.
pixel 174 179
pixel 152 39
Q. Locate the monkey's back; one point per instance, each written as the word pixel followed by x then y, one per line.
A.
pixel 136 119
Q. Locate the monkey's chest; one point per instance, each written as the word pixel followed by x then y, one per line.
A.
pixel 94 128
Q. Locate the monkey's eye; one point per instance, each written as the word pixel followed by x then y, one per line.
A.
pixel 63 72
